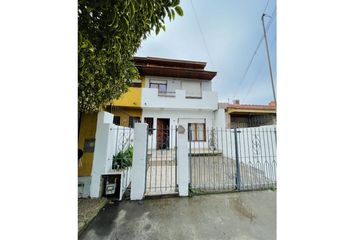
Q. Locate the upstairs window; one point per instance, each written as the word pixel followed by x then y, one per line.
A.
pixel 135 83
pixel 193 89
pixel 161 86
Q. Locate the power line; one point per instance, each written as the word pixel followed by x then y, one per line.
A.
pixel 266 7
pixel 201 32
pixel 254 54
pixel 258 75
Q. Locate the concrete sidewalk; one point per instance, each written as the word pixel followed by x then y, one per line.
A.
pixel 239 215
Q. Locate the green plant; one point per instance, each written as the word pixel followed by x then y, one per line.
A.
pixel 123 159
pixel 191 192
pixel 109 34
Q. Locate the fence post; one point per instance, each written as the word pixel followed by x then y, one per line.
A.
pixel 182 160
pixel 101 152
pixel 139 162
pixel 238 176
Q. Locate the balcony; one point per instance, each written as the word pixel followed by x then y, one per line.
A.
pixel 151 98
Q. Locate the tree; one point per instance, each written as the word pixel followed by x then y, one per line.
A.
pixel 110 33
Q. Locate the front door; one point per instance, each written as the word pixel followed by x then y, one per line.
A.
pixel 163 133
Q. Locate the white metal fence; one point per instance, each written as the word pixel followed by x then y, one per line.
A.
pixel 242 159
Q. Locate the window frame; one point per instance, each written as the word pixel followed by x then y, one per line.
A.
pixel 190 138
pixel 150 124
pixel 158 86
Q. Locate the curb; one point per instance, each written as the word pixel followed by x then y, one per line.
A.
pixel 88 221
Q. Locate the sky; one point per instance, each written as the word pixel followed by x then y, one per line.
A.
pixel 225 34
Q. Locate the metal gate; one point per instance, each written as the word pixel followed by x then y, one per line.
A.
pixel 232 159
pixel 161 163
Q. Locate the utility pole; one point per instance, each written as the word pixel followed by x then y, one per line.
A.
pixel 269 64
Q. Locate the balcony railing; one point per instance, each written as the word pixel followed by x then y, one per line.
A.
pixel 173 94
pixel 167 94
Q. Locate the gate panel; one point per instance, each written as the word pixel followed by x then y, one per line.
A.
pixel 233 159
pixel 161 169
pixel 257 156
pixel 212 161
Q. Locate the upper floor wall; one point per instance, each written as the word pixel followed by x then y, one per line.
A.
pixel 193 87
pixel 178 93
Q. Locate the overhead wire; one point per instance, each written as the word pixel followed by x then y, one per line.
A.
pixel 257 77
pixel 202 34
pixel 266 6
pixel 254 54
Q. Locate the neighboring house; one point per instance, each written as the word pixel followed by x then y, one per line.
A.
pixel 246 115
pixel 168 92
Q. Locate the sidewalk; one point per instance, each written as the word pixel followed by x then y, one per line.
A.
pixel 238 215
pixel 87 210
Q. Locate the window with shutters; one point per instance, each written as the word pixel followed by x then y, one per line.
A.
pixel 193 89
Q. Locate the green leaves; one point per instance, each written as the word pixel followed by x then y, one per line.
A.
pixel 110 33
pixel 123 159
pixel 179 10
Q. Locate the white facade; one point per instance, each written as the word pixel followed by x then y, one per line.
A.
pixel 184 100
pixel 181 94
pixel 176 118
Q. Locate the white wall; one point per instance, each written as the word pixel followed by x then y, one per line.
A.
pixel 189 116
pixel 206 86
pixel 151 99
pixel 109 139
pixel 176 83
pixel 101 152
pixel 139 162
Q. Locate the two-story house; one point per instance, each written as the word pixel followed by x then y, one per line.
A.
pixel 169 91
pixel 176 90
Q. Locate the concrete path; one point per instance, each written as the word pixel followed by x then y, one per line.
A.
pixel 239 215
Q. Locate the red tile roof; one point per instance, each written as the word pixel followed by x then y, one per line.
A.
pixel 270 106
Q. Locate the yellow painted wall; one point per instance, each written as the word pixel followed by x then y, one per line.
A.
pixel 130 104
pixel 132 98
pixel 87 130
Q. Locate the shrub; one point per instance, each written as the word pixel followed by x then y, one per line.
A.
pixel 123 159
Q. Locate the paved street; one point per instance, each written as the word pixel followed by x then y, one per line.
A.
pixel 238 215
